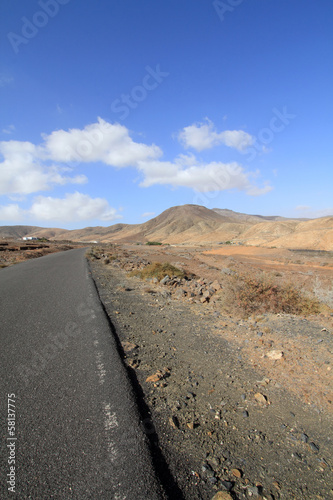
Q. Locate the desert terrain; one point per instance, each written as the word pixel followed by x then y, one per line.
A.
pixel 224 322
pixel 197 225
pixel 240 395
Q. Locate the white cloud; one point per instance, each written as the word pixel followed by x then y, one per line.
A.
pixel 148 214
pixel 28 168
pixel 8 130
pixel 186 171
pixel 22 171
pixel 200 136
pixel 11 213
pixel 74 207
pixel 101 141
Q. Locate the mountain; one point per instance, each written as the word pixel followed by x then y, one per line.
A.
pixel 17 232
pixel 194 224
pixel 239 217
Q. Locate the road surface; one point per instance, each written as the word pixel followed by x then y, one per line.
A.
pixel 70 426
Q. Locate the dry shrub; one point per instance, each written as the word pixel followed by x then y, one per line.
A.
pixel 259 294
pixel 159 271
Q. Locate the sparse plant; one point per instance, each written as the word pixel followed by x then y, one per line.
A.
pixel 260 295
pixel 154 243
pixel 159 271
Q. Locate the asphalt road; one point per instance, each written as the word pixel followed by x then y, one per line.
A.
pixel 77 431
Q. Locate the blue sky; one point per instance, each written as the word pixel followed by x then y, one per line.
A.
pixel 115 111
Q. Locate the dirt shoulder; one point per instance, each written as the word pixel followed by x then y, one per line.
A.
pixel 238 405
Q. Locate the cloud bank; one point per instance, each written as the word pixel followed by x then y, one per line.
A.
pixel 28 168
pixel 74 207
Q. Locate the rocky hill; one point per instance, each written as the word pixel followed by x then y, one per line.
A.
pixel 194 224
pixel 16 232
pixel 240 217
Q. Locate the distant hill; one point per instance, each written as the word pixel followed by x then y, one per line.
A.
pixel 239 217
pixel 16 232
pixel 194 224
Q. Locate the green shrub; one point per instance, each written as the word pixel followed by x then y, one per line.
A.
pixel 154 243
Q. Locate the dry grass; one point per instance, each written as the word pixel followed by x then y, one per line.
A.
pixel 261 294
pixel 159 271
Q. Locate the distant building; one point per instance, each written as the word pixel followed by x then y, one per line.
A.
pixel 25 238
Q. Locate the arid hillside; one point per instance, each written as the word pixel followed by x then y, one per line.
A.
pixel 194 224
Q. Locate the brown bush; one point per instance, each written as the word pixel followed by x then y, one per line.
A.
pixel 159 271
pixel 260 295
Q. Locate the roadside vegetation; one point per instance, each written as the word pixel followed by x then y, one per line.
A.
pixel 159 271
pixel 154 243
pixel 239 294
pixel 262 294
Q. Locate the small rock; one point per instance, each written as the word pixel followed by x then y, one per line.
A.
pixel 253 491
pixel 314 447
pixel 215 462
pixel 216 285
pixel 227 485
pixel 190 395
pixel 208 471
pixel 260 398
pixel 129 346
pixel 237 473
pixel 222 495
pixel 304 438
pixel 245 414
pixel 174 422
pixel 165 280
pixel 190 425
pixel 180 293
pixel 134 363
pixel 156 377
pixel 274 355
pixel 265 381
